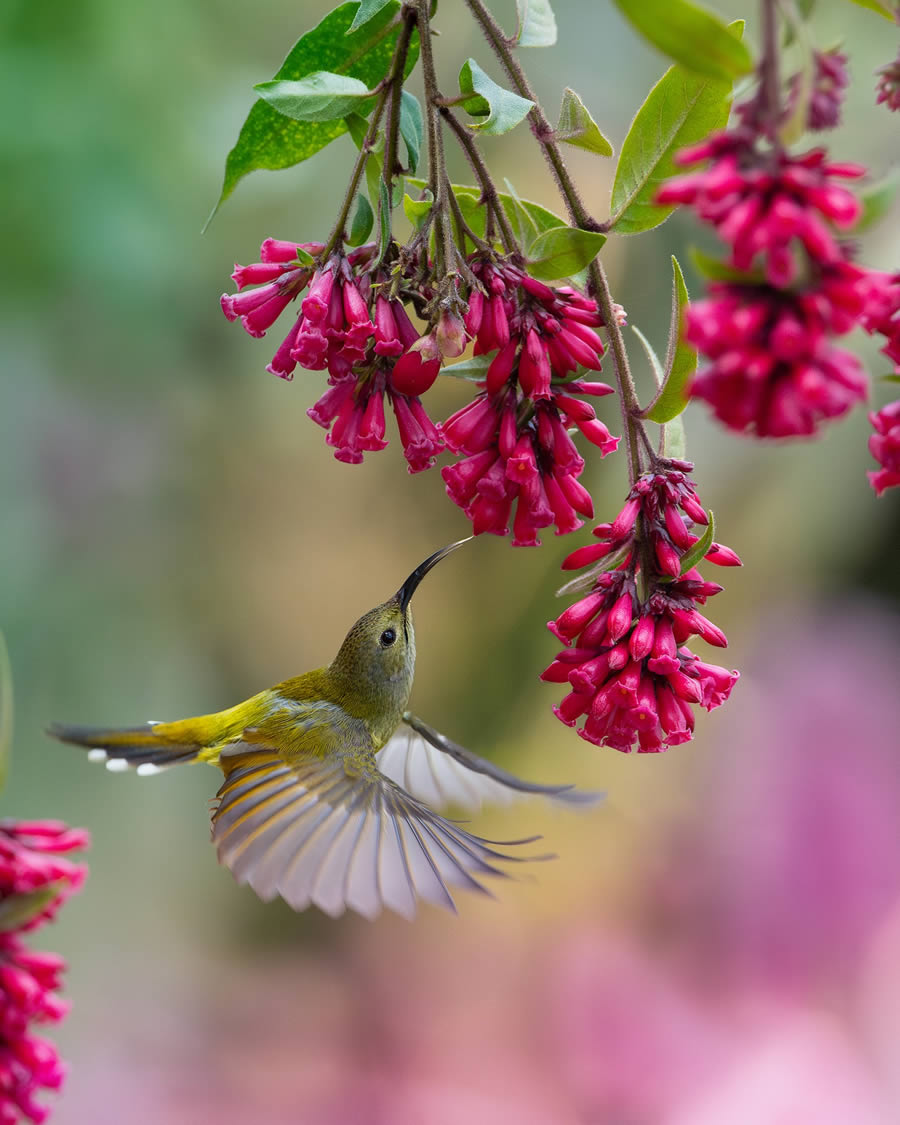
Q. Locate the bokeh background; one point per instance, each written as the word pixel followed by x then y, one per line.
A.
pixel 719 942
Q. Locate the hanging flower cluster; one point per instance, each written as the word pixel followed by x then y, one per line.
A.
pixel 348 326
pixel 626 663
pixel 768 332
pixel 515 435
pixel 35 879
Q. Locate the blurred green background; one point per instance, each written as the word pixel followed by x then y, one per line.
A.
pixel 176 535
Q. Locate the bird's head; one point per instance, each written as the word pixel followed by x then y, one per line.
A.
pixel 378 655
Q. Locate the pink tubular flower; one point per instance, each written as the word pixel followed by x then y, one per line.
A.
pixel 540 333
pixel 625 661
pixel 352 410
pixel 884 445
pixel 762 207
pixel 518 451
pixel 34 881
pixel 773 370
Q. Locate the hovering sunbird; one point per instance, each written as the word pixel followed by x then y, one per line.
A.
pixel 329 779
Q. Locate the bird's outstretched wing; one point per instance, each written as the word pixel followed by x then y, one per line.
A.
pixel 440 772
pixel 314 832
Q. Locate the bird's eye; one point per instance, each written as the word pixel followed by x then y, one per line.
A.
pixel 388 637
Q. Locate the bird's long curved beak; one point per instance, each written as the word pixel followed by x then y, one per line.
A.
pixel 409 587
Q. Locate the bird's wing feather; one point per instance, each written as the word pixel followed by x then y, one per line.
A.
pixel 314 832
pixel 441 772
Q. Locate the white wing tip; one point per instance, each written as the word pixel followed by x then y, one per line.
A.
pixel 148 769
pixel 117 765
pixel 97 755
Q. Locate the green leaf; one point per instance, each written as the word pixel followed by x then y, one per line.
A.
pixel 6 710
pixel 537 24
pixel 577 127
pixel 716 270
pixel 695 554
pixel 523 224
pixel 473 370
pixel 468 198
pixel 362 222
pixel 412 128
pixel 320 96
pixel 693 37
pixel 876 202
pixel 270 140
pixel 586 581
pixel 891 377
pixel 680 110
pixel 674 439
pixel 417 209
pixel 500 109
pixel 19 909
pixel 366 11
pixel 681 359
pixel 655 366
pixel 562 251
pixel 384 219
pixel 875 6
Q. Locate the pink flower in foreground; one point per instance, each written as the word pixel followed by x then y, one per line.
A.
pixel 884 445
pixel 626 663
pixel 30 865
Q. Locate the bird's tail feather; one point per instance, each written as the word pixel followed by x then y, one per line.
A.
pixel 148 748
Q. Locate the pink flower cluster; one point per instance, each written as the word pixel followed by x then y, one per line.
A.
pixel 773 369
pixel 625 660
pixel 34 882
pixel 348 327
pixel 514 436
pixel 767 333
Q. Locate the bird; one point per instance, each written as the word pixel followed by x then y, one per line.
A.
pixel 331 784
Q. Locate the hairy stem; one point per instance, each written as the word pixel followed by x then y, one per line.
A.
pixel 445 255
pixel 537 119
pixel 392 84
pixel 579 217
pixel 770 90
pixel 489 195
pixel 395 81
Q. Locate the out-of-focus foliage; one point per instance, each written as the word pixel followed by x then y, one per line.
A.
pixel 175 536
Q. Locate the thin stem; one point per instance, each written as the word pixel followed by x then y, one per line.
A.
pixel 628 399
pixel 395 80
pixel 489 194
pixel 445 258
pixel 580 217
pixel 391 86
pixel 464 231
pixel 537 119
pixel 337 231
pixel 770 87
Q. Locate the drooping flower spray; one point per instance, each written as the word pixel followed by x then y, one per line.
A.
pixel 502 294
